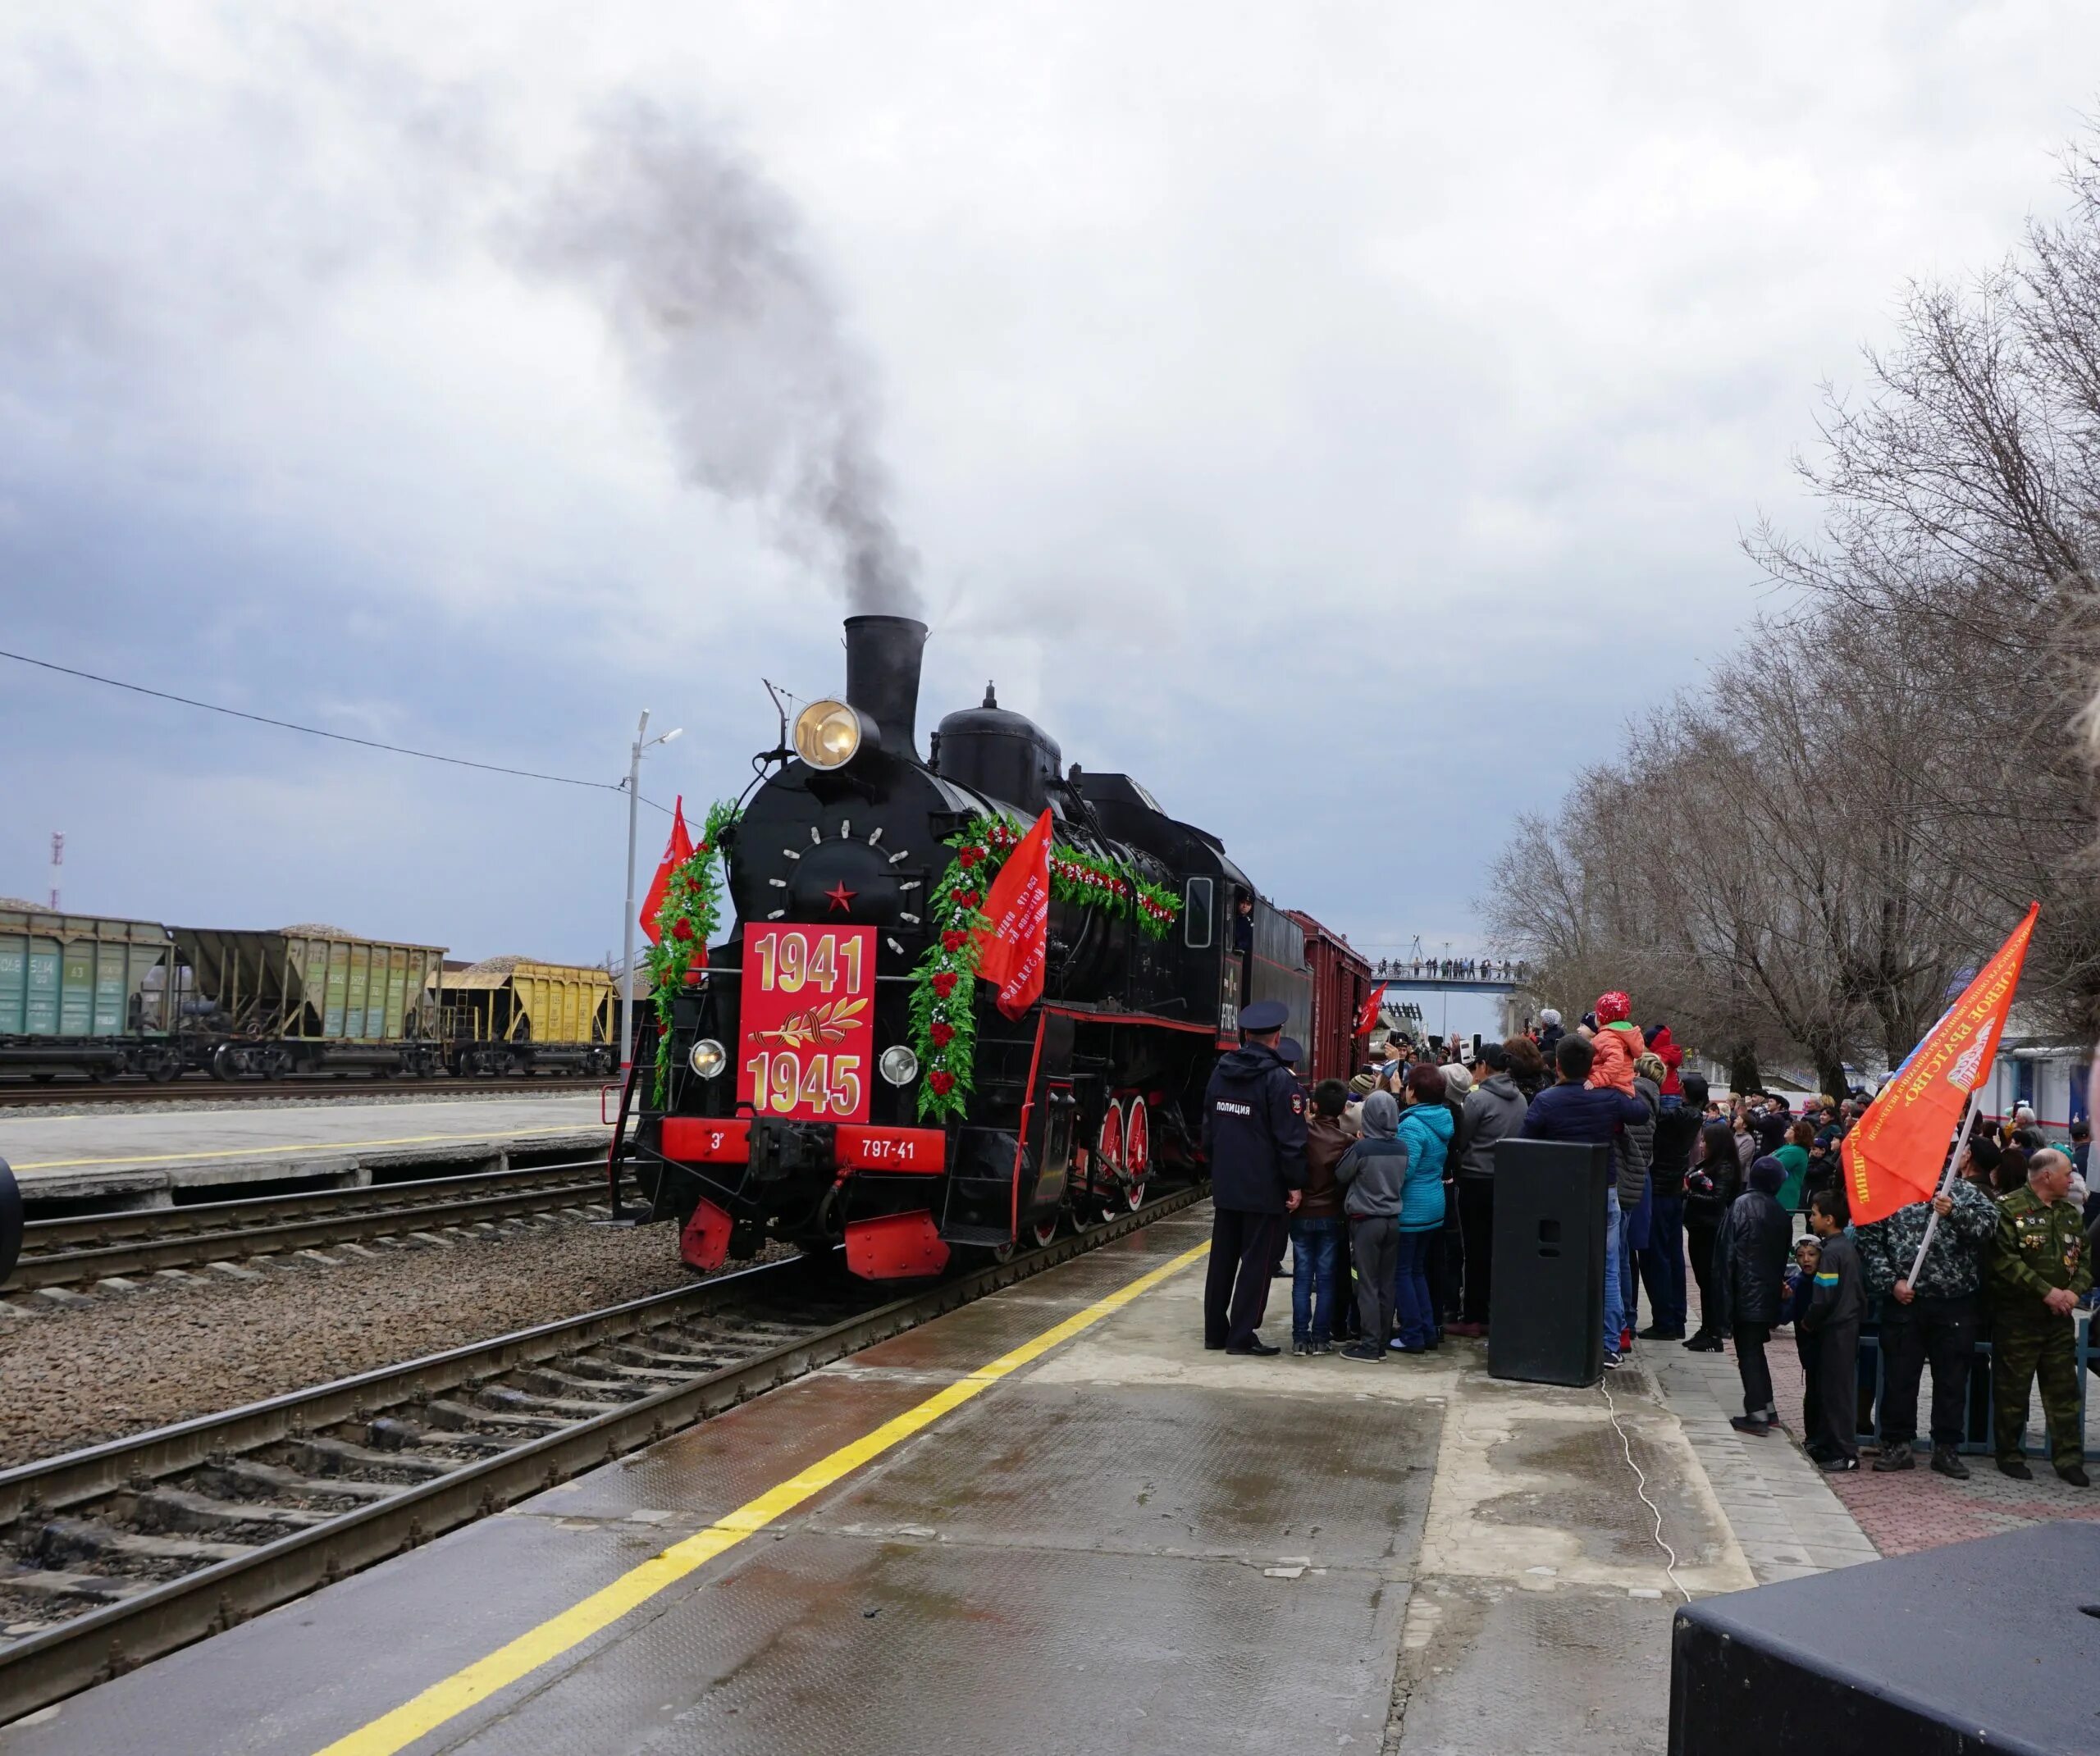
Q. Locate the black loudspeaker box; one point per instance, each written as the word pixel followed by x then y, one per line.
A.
pixel 1545 1317
pixel 1976 1649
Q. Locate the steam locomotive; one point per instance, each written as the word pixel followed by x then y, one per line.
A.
pixel 793 1106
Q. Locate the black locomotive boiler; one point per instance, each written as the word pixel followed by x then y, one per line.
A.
pixel 793 1108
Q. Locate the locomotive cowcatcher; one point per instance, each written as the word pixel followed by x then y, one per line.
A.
pixel 791 1105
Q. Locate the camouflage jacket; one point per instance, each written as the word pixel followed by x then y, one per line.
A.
pixel 1954 1265
pixel 2041 1245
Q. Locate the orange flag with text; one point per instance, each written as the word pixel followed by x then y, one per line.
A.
pixel 1009 952
pixel 1896 1153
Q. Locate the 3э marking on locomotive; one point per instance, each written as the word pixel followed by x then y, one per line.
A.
pixel 791 1112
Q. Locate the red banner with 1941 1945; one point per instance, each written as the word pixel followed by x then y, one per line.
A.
pixel 809 1006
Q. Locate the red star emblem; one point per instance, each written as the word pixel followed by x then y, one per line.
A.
pixel 841 898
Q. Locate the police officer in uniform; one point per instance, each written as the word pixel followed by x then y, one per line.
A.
pixel 2039 1271
pixel 1254 1139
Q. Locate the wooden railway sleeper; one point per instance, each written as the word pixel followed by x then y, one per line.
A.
pixel 172 1508
pixel 388 1434
pixel 555 1381
pixel 659 1363
pixel 237 1478
pixel 52 1582
pixel 328 1456
pixel 464 1416
pixel 572 1408
pixel 68 1540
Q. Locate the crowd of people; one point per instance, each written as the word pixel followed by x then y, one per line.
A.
pixel 1450 969
pixel 1383 1189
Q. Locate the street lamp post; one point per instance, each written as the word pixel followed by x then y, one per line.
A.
pixel 642 741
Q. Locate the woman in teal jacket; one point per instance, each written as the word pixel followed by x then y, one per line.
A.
pixel 1426 1132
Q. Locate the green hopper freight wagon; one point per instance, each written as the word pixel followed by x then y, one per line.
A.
pixel 85 994
pixel 306 998
pixel 510 1015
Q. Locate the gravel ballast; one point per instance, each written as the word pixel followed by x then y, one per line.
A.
pixel 123 1362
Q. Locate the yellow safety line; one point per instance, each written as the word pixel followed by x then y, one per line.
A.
pixel 304 1145
pixel 464 1689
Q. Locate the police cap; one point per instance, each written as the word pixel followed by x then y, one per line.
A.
pixel 1264 1016
pixel 1292 1050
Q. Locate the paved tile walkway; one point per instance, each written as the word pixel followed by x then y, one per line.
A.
pixel 1779 1504
pixel 1792 1519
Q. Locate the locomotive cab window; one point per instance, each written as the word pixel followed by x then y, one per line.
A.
pixel 1196 914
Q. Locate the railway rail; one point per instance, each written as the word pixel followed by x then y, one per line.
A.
pixel 70 1252
pixel 126 1550
pixel 17 1095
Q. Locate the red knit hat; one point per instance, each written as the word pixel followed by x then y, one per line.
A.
pixel 1613 1008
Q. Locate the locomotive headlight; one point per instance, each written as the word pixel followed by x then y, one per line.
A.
pixel 708 1058
pixel 827 733
pixel 898 1065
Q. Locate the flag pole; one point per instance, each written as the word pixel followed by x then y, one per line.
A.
pixel 1946 1185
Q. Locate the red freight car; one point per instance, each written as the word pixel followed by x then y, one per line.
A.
pixel 1342 983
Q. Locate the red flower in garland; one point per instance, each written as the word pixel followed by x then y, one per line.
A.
pixel 968 857
pixel 943 1033
pixel 682 928
pixel 942 1081
pixel 944 983
pixel 967 899
pixel 954 939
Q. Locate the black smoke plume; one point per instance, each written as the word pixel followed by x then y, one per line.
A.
pixel 724 322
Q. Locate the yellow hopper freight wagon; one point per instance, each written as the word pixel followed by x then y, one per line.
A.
pixel 512 1015
pixel 306 999
pixel 84 994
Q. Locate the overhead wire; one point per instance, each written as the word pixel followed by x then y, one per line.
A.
pixel 338 737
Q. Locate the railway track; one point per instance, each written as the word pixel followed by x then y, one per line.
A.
pixel 71 1252
pixel 115 1554
pixel 81 1093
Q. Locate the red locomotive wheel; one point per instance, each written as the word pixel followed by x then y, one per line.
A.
pixel 1108 1150
pixel 1137 1153
pixel 1044 1231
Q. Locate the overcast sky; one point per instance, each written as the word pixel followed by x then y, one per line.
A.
pixel 1342 417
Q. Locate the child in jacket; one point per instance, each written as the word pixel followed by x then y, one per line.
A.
pixel 1619 1044
pixel 1836 1307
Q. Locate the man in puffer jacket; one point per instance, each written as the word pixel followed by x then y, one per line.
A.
pixel 1494 1110
pixel 1633 1215
pixel 1618 1045
pixel 1373 1177
pixel 1750 1276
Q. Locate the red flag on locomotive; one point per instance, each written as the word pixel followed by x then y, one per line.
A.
pixel 1366 1020
pixel 676 852
pixel 1895 1156
pixel 1010 951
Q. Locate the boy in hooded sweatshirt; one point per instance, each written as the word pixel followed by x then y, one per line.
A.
pixel 1619 1044
pixel 1372 1175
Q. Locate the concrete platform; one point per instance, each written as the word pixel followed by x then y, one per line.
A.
pixel 139 1160
pixel 1049 1521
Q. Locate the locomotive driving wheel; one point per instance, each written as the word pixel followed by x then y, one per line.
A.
pixel 1043 1233
pixel 1106 1172
pixel 1137 1153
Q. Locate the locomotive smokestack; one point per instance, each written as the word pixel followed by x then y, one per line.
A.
pixel 882 654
